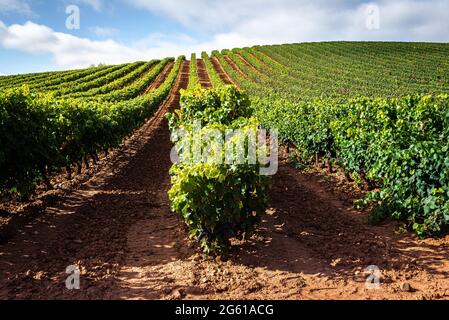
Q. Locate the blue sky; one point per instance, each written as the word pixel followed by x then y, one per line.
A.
pixel 34 36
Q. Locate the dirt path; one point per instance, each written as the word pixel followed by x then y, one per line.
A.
pixel 266 66
pixel 160 78
pixel 235 67
pixel 311 245
pixel 119 230
pixel 203 76
pixel 251 66
pixel 219 68
pixel 272 58
pixel 89 227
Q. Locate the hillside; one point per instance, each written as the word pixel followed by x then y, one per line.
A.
pixel 86 177
pixel 298 71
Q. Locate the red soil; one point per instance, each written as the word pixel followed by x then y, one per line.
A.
pixel 118 228
pixel 219 68
pixel 203 76
pixel 160 78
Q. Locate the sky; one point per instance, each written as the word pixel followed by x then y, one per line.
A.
pixel 42 35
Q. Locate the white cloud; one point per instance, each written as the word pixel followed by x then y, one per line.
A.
pixel 95 4
pixel 17 6
pixel 73 52
pixel 161 45
pixel 301 20
pixel 236 23
pixel 67 50
pixel 103 32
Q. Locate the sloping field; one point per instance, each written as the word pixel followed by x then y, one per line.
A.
pixel 84 176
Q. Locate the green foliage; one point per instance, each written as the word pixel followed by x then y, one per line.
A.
pixel 322 97
pixel 351 69
pixel 218 201
pixel 194 81
pixel 119 82
pixel 399 145
pixel 137 87
pixel 76 80
pixel 223 105
pixel 27 139
pixel 46 79
pixel 213 74
pixel 39 134
pixel 395 146
pixel 98 80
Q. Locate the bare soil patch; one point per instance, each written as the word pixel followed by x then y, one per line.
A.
pixel 235 66
pixel 219 68
pixel 118 228
pixel 203 76
pixel 160 78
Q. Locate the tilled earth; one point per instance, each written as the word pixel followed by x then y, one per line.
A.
pixel 118 229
